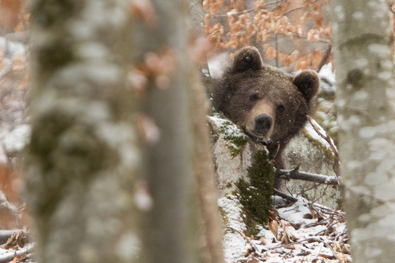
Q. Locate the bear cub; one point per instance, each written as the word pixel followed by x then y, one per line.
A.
pixel 269 104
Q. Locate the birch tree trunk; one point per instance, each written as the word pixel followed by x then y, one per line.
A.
pixel 366 104
pixel 83 158
pixel 168 170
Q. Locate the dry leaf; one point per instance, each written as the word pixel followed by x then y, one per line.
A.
pixel 9 10
pixel 273 226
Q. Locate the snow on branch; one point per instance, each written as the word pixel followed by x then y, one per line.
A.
pixel 298 175
pixel 6 257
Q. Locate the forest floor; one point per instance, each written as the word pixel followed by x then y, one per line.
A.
pixel 298 232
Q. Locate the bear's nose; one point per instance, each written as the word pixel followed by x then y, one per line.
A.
pixel 263 123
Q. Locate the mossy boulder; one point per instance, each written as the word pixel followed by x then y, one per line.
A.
pixel 309 150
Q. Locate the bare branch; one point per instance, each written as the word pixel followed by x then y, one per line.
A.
pixel 325 137
pixel 292 10
pixel 248 10
pixel 317 178
pixel 285 196
pixel 6 257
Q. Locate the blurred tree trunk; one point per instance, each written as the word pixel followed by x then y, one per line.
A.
pixel 83 158
pixel 170 225
pixel 203 159
pixel 366 103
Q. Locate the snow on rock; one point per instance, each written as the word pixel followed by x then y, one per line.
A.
pixel 232 151
pixel 312 154
pixel 234 244
pixel 16 140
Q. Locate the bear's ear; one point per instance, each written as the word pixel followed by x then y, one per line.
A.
pixel 247 58
pixel 308 84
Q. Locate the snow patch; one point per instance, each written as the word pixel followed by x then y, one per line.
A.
pixel 17 139
pixel 296 213
pixel 233 242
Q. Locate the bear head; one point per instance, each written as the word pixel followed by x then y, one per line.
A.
pixel 269 104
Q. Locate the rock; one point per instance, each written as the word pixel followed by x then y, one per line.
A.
pixel 234 153
pixel 314 155
pixel 16 140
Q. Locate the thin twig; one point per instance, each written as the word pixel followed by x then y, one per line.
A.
pixel 290 11
pixel 329 140
pixel 247 239
pixel 276 41
pixel 325 57
pixel 248 10
pixel 325 137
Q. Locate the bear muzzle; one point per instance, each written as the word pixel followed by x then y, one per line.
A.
pixel 260 123
pixel 263 124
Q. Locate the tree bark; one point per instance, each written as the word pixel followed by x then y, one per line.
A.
pixel 203 159
pixel 169 225
pixel 83 158
pixel 365 101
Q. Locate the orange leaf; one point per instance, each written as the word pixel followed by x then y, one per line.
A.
pixel 9 10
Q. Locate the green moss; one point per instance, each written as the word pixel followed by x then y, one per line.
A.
pixel 237 139
pixel 329 154
pixel 254 196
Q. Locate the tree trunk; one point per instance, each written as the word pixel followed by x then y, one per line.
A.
pixel 203 159
pixel 365 100
pixel 168 170
pixel 83 158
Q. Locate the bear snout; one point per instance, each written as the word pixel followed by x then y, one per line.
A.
pixel 263 123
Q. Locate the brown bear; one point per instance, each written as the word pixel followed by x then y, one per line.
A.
pixel 269 104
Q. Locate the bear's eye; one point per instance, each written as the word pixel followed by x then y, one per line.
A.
pixel 254 97
pixel 280 108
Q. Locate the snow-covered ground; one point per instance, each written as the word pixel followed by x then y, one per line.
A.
pixel 301 232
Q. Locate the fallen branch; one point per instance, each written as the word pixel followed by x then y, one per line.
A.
pixel 285 196
pixel 317 178
pixel 6 257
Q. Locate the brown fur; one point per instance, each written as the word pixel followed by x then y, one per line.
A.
pixel 249 90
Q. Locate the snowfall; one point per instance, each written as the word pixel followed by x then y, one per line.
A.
pixel 298 232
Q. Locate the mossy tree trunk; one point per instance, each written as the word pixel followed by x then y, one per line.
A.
pixel 366 102
pixel 83 158
pixel 168 169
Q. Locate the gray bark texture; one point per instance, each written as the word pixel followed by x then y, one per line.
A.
pixel 203 158
pixel 365 101
pixel 83 157
pixel 170 225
